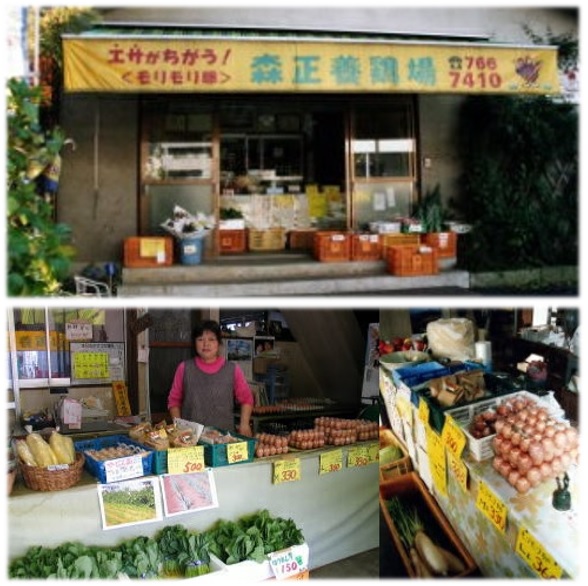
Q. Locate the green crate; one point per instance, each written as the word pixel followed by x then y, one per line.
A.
pixel 216 454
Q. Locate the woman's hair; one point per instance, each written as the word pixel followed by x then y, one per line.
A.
pixel 207 326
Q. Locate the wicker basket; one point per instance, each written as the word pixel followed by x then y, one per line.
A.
pixel 44 479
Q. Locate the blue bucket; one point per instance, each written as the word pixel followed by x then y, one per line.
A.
pixel 191 250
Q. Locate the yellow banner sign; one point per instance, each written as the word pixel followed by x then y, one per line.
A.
pixel 145 64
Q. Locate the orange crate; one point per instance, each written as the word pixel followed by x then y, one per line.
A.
pixel 232 241
pixel 410 261
pixel 412 492
pixel 366 247
pixel 332 246
pixel 444 242
pixel 148 251
pixel 301 239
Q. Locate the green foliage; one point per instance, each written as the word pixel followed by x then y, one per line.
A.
pixel 430 210
pixel 39 249
pixel 520 185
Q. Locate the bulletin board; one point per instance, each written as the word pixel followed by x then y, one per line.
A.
pixel 97 362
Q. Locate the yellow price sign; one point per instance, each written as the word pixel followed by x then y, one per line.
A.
pixel 453 437
pixel 286 471
pixel 121 398
pixel 185 460
pixel 424 411
pixel 331 461
pixel 373 450
pixel 403 407
pixel 437 462
pixel 358 456
pixel 491 506
pixel 535 555
pixel 458 470
pixel 237 452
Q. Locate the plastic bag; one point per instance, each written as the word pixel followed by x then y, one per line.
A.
pixel 452 338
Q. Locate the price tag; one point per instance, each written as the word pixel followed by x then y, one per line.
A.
pixel 403 407
pixel 286 471
pixel 237 452
pixel 121 398
pixel 437 463
pixel 289 562
pixel 491 506
pixel 358 456
pixel 458 470
pixel 453 437
pixel 185 460
pixel 424 411
pixel 331 461
pixel 535 555
pixel 373 452
pixel 123 468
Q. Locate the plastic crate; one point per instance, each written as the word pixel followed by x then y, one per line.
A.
pixel 407 261
pixel 301 239
pixel 444 242
pixel 366 247
pixel 216 454
pixel 332 246
pixel 412 492
pixel 419 373
pixel 97 468
pixel 147 252
pixel 190 250
pixel 265 240
pixel 231 241
pixel 388 240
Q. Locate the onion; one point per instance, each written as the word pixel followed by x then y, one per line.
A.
pixel 515 438
pixel 525 463
pixel 505 469
pixel 499 424
pixel 507 430
pixel 566 460
pixel 525 443
pixel 557 466
pixel 513 456
pixel 572 435
pixel 540 426
pixel 497 462
pixel 523 415
pixel 536 453
pixel 532 420
pixel 548 449
pixel 513 476
pixel 546 471
pixel 497 442
pixel 549 431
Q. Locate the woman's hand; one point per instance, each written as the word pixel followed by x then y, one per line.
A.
pixel 245 429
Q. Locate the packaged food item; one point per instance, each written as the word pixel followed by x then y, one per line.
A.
pixel 41 450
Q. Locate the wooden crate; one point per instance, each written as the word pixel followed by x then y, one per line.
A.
pixel 444 242
pixel 401 466
pixel 366 247
pixel 266 240
pixel 404 261
pixel 412 492
pixel 232 241
pixel 147 251
pixel 332 246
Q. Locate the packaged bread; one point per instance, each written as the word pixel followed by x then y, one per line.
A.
pixel 63 448
pixel 24 453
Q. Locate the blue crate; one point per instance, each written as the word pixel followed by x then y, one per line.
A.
pixel 96 467
pixel 419 373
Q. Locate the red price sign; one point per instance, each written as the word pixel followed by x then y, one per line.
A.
pixel 237 452
pixel 535 555
pixel 185 460
pixel 491 506
pixel 286 471
pixel 453 437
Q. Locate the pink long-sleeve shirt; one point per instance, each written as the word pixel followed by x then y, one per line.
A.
pixel 243 394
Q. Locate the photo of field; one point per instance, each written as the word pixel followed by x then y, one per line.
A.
pixel 130 502
pixel 185 493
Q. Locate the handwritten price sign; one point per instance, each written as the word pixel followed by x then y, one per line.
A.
pixel 373 450
pixel 286 471
pixel 123 468
pixel 453 437
pixel 358 456
pixel 437 463
pixel 424 411
pixel 237 452
pixel 535 555
pixel 185 460
pixel 289 562
pixel 458 470
pixel 331 461
pixel 491 506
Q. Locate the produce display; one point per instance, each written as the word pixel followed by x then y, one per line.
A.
pixel 174 552
pixel 120 450
pixel 428 558
pixel 530 445
pixel 269 444
pixel 211 435
pixel 339 431
pixel 34 450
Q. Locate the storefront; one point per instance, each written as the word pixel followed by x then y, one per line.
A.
pixel 276 131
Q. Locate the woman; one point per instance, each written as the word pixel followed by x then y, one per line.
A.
pixel 206 388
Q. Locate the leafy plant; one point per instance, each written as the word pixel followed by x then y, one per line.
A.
pixel 39 249
pixel 430 210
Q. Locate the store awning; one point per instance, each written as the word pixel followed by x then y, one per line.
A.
pixel 168 63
